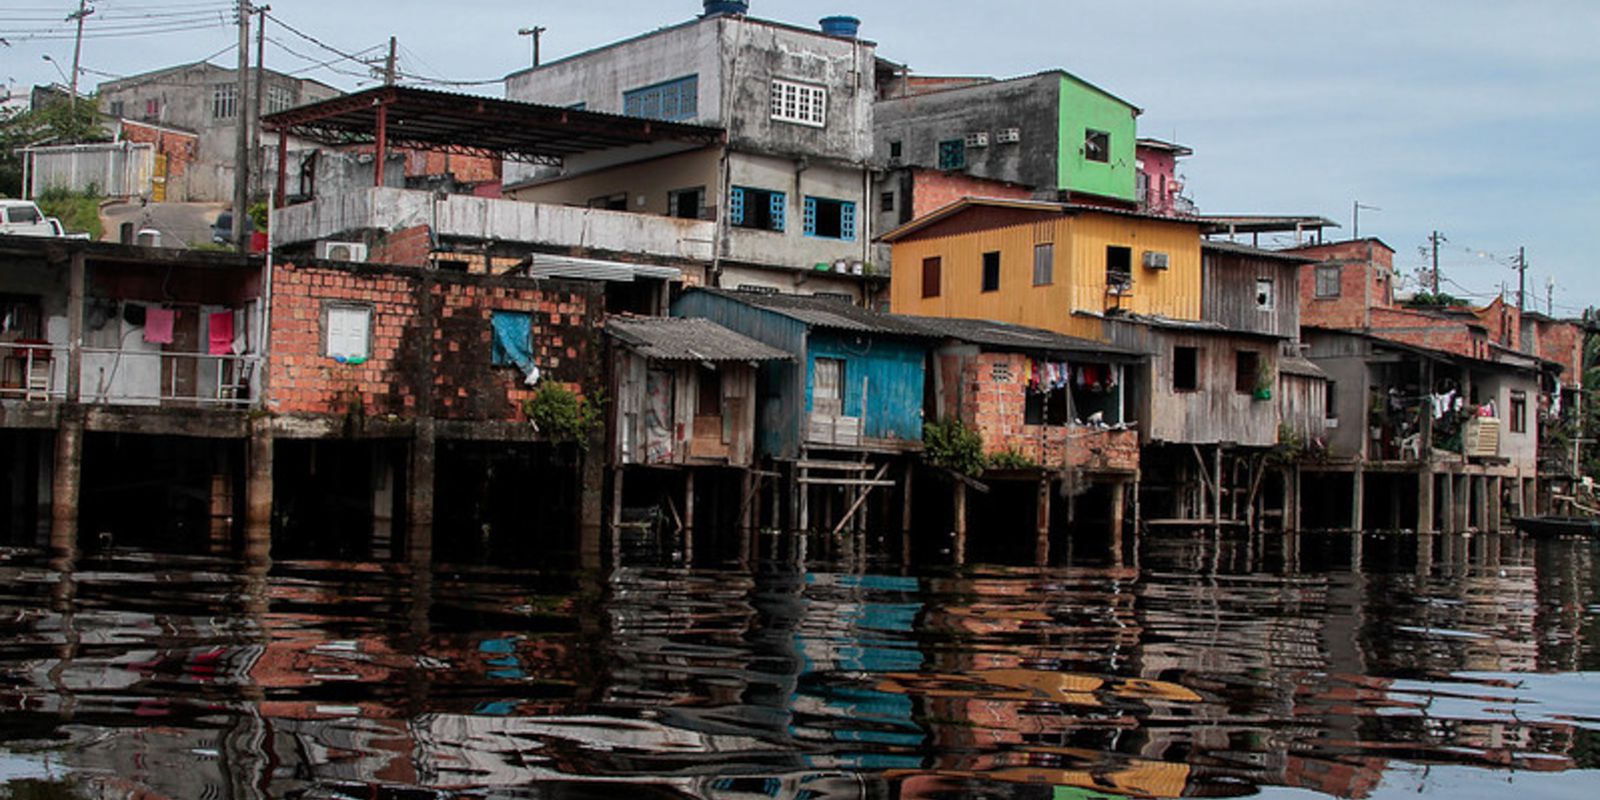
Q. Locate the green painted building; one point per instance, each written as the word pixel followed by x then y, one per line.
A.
pixel 1054 133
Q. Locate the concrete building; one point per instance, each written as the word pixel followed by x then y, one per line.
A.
pixel 787 191
pixel 203 98
pixel 1064 137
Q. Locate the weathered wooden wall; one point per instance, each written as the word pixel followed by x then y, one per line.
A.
pixel 1229 293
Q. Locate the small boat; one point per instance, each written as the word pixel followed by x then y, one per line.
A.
pixel 1558 526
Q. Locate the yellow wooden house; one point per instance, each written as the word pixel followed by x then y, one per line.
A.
pixel 1058 266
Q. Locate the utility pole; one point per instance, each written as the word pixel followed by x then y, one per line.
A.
pixel 77 46
pixel 1437 238
pixel 536 31
pixel 257 160
pixel 241 124
pixel 388 67
pixel 1522 279
pixel 1549 295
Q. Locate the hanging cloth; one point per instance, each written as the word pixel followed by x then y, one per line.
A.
pixel 219 336
pixel 158 325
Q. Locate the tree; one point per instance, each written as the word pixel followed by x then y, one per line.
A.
pixel 55 122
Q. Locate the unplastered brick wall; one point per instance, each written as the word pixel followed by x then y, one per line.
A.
pixel 1420 329
pixel 407 247
pixel 430 341
pixel 994 400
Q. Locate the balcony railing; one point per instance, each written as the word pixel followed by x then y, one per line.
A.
pixel 37 372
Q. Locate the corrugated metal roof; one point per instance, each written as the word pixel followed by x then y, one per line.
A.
pixel 828 312
pixel 1018 337
pixel 1294 365
pixel 541 265
pixel 1246 250
pixel 683 339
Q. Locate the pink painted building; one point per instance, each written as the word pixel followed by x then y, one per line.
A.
pixel 1158 187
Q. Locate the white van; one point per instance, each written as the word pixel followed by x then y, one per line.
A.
pixel 23 218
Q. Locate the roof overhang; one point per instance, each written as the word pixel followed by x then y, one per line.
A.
pixel 422 119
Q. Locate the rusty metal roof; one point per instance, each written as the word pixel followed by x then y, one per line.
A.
pixel 423 119
pixel 684 339
pixel 834 313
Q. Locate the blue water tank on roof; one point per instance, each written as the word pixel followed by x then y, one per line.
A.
pixel 718 7
pixel 846 27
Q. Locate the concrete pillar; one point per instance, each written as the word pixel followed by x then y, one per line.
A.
pixel 591 502
pixel 1530 497
pixel 1041 548
pixel 1463 502
pixel 1425 479
pixel 688 515
pixel 258 491
pixel 420 491
pixel 383 502
pixel 1119 499
pixel 1358 487
pixel 66 484
pixel 76 280
pixel 616 501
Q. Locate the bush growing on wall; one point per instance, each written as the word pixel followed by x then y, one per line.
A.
pixel 564 416
pixel 953 446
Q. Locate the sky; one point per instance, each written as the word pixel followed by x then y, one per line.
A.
pixel 1476 118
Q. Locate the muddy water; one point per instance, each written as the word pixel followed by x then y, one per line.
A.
pixel 1374 666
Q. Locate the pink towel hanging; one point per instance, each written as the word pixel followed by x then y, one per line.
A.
pixel 158 325
pixel 221 333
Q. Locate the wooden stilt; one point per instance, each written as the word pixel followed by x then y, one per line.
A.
pixel 688 516
pixel 1216 487
pixel 1119 494
pixel 1041 553
pixel 1357 500
pixel 1480 497
pixel 1447 504
pixel 1425 480
pixel 960 524
pixel 905 514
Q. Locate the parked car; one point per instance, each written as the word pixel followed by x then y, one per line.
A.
pixel 222 229
pixel 23 218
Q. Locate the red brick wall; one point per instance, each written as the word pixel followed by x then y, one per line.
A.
pixel 934 190
pixel 1562 342
pixel 430 341
pixel 179 148
pixel 1424 330
pixel 1348 311
pixel 994 400
pixel 408 247
pixel 1504 322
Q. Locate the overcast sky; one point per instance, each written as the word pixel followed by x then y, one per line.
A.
pixel 1479 118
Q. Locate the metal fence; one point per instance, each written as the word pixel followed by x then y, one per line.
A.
pixel 110 169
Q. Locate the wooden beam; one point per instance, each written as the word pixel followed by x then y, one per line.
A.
pixel 876 481
pixel 846 482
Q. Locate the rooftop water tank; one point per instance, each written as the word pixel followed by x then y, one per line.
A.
pixel 846 27
pixel 719 7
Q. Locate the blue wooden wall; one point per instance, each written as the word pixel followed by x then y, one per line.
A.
pixel 883 380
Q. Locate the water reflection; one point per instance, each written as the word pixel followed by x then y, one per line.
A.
pixel 1184 665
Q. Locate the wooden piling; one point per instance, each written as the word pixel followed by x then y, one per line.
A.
pixel 960 551
pixel 66 483
pixel 1041 552
pixel 1425 480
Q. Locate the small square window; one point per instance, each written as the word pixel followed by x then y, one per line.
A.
pixel 760 209
pixel 1264 294
pixel 886 201
pixel 932 269
pixel 1519 412
pixel 953 154
pixel 348 332
pixel 801 103
pixel 896 148
pixel 1119 267
pixel 830 219
pixel 1097 146
pixel 991 272
pixel 1328 279
pixel 687 203
pixel 1246 371
pixel 1185 369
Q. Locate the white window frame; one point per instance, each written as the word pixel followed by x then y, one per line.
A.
pixel 347 331
pixel 224 101
pixel 799 103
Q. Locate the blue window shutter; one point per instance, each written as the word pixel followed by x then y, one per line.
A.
pixel 779 205
pixel 736 206
pixel 847 221
pixel 811 216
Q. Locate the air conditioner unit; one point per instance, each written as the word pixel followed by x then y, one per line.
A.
pixel 342 251
pixel 1154 260
pixel 979 139
pixel 1008 136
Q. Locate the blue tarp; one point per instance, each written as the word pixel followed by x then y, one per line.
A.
pixel 513 339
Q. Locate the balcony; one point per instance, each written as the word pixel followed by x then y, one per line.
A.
pixel 490 220
pixel 36 372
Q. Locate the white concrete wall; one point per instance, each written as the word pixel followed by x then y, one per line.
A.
pixel 792 247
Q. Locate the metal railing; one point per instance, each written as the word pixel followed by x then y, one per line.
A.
pixel 28 371
pixel 154 377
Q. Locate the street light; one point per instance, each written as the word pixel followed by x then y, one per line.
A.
pixel 64 79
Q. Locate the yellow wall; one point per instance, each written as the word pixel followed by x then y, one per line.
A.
pixel 1079 284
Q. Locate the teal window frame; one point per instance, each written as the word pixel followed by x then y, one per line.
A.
pixel 677 99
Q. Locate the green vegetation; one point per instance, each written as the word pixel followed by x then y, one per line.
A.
pixel 79 212
pixel 1011 459
pixel 563 415
pixel 258 214
pixel 953 446
pixel 1440 300
pixel 58 122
